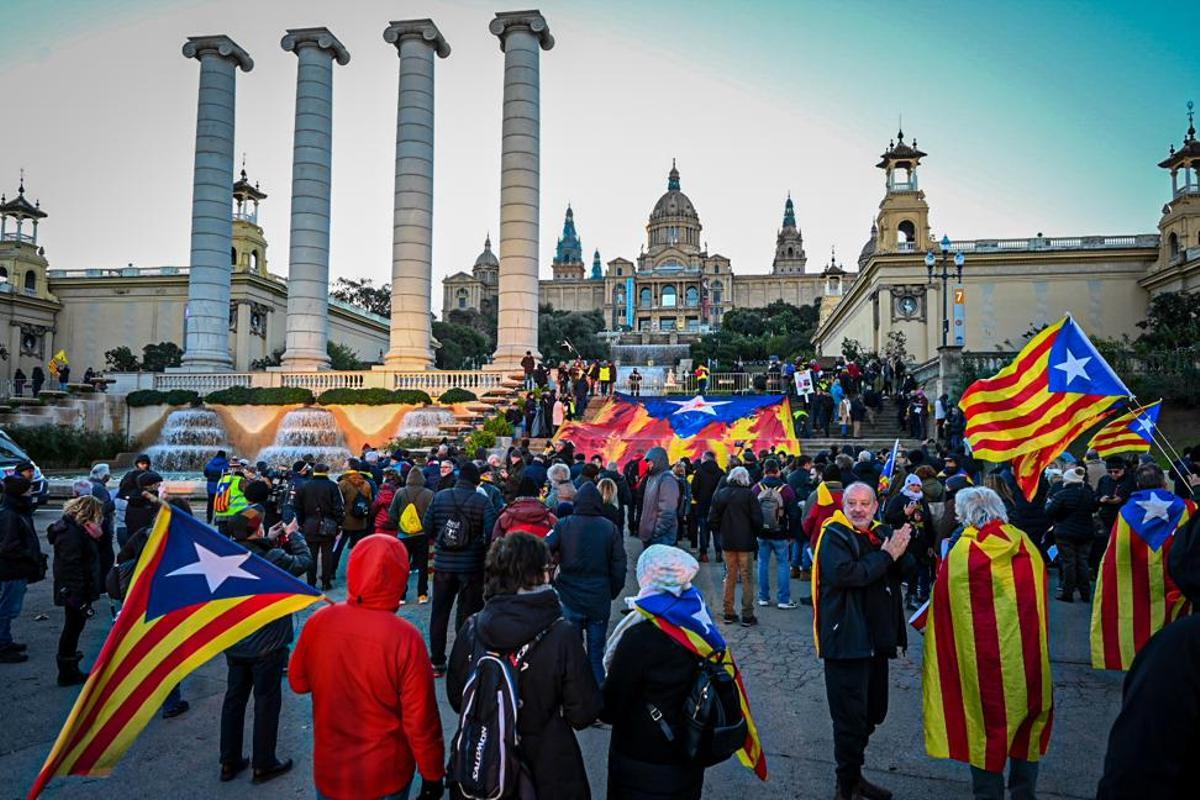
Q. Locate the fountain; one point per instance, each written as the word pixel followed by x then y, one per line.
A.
pixel 424 423
pixel 304 431
pixel 189 438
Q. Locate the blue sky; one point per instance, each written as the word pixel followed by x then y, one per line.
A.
pixel 1036 116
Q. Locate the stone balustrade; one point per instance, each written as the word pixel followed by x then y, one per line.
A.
pixel 432 382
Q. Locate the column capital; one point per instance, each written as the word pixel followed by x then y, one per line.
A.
pixel 422 29
pixel 508 21
pixel 322 38
pixel 221 45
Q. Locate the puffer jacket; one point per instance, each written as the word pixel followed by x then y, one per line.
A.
pixel 295 560
pixel 1070 510
pixel 381 508
pixel 737 517
pixel 480 518
pixel 77 576
pixel 318 499
pixel 415 492
pixel 351 485
pixel 660 500
pixel 591 557
pixel 525 514
pixel 20 555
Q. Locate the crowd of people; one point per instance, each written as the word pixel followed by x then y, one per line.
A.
pixel 527 550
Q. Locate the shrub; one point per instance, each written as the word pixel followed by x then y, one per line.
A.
pixel 261 396
pixel 65 446
pixel 373 397
pixel 498 426
pixel 153 397
pixel 456 396
pixel 477 439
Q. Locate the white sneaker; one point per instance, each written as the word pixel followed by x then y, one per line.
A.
pixel 764 602
pixel 786 605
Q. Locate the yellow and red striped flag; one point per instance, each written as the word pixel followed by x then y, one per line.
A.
pixel 1135 596
pixel 1055 389
pixel 193 594
pixel 1131 432
pixel 987 689
pixel 1029 467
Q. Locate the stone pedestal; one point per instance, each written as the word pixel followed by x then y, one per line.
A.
pixel 950 363
pixel 206 345
pixel 521 35
pixel 308 250
pixel 416 41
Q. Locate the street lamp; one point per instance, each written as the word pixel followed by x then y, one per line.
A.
pixel 930 262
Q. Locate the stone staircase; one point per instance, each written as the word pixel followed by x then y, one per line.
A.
pixel 471 415
pixel 878 435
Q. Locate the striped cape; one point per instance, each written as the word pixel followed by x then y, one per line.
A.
pixel 1135 596
pixel 193 594
pixel 988 693
pixel 840 518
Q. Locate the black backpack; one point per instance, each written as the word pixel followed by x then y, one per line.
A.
pixel 713 726
pixel 455 533
pixel 485 760
pixel 361 506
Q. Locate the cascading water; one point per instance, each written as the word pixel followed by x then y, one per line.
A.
pixel 424 423
pixel 305 431
pixel 188 440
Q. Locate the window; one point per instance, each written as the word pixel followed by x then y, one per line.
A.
pixel 693 324
pixel 693 297
pixel 1173 245
pixel 644 297
pixel 30 282
pixel 233 256
pixel 254 260
pixel 667 323
pixel 906 232
pixel 618 296
pixel 789 252
pixel 620 272
pixel 643 323
pixel 717 290
pixel 462 298
pixel 3 275
pixel 668 298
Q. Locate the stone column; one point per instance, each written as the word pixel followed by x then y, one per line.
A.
pixel 521 33
pixel 308 250
pixel 206 347
pixel 416 41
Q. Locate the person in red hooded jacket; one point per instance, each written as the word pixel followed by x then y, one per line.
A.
pixel 371 732
pixel 382 504
pixel 527 513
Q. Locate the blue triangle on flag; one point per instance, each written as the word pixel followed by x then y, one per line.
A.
pixel 1076 365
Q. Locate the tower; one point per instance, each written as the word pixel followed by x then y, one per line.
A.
pixel 674 224
pixel 568 256
pixel 1180 223
pixel 597 270
pixel 249 253
pixel 902 225
pixel 22 262
pixel 789 244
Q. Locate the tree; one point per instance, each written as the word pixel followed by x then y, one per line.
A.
pixel 342 358
pixel 363 294
pixel 273 360
pixel 1172 321
pixel 483 322
pixel 462 347
pixel 754 334
pixel 896 347
pixel 562 334
pixel 121 359
pixel 852 349
pixel 157 357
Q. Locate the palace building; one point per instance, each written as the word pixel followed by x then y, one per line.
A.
pixel 674 291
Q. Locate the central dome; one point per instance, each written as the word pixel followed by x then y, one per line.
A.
pixel 674 203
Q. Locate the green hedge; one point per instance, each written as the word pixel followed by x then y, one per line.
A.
pixel 373 397
pixel 65 446
pixel 153 397
pixel 262 396
pixel 457 396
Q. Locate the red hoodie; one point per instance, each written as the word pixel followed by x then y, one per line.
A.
pixel 525 514
pixel 375 716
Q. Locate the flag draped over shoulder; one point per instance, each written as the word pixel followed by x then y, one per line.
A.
pixel 684 426
pixel 987 687
pixel 686 620
pixel 193 594
pixel 1131 432
pixel 1135 595
pixel 1056 388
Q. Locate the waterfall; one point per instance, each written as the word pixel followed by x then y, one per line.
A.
pixel 306 431
pixel 424 423
pixel 189 438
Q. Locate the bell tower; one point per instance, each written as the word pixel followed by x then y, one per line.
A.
pixel 1179 227
pixel 902 225
pixel 568 256
pixel 22 261
pixel 249 252
pixel 789 244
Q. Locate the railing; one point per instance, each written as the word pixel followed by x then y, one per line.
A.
pixel 203 382
pixel 320 381
pixel 437 382
pixel 13 236
pixel 116 272
pixel 434 382
pixel 1055 243
pixel 923 373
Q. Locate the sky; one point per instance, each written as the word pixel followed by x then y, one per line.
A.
pixel 1037 117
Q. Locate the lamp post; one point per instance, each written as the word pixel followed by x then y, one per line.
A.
pixel 930 262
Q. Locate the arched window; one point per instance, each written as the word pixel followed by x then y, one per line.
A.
pixel 254 260
pixel 717 290
pixel 1173 245
pixel 906 232
pixel 619 296
pixel 3 275
pixel 462 298
pixel 668 298
pixel 644 297
pixel 693 297
pixel 233 256
pixel 789 252
pixel 620 272
pixel 30 282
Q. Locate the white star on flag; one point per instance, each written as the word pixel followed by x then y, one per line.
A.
pixel 703 618
pixel 1074 367
pixel 215 569
pixel 698 403
pixel 1145 424
pixel 1156 508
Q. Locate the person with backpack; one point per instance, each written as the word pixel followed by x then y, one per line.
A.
pixel 736 518
pixel 381 506
pixel 319 512
pixel 591 570
pixel 655 680
pixel 526 513
pixel 406 514
pixel 357 495
pixel 777 502
pixel 459 519
pixel 521 684
pixel 397 729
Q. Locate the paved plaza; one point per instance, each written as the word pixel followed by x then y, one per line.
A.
pixel 178 758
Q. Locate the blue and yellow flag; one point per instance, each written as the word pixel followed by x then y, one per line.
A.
pixel 193 594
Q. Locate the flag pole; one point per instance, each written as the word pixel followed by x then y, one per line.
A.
pixel 1176 460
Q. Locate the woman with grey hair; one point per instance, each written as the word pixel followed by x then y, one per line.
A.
pixel 736 518
pixel 977 506
pixel 561 488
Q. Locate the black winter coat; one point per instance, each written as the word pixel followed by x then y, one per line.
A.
pixel 648 668
pixel 1109 487
pixel 736 515
pixel 921 521
pixel 481 518
pixel 20 555
pixel 1070 511
pixel 1028 515
pixel 294 558
pixel 77 576
pixel 319 498
pixel 591 557
pixel 860 611
pixel 704 484
pixel 557 689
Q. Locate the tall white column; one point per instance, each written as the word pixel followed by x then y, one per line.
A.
pixel 521 33
pixel 308 251
pixel 206 347
pixel 416 41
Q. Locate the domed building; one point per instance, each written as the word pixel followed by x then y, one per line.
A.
pixel 477 289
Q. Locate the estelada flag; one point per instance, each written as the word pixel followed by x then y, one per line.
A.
pixel 889 469
pixel 193 594
pixel 58 362
pixel 1135 595
pixel 1131 432
pixel 1054 390
pixel 1028 468
pixel 684 426
pixel 987 688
